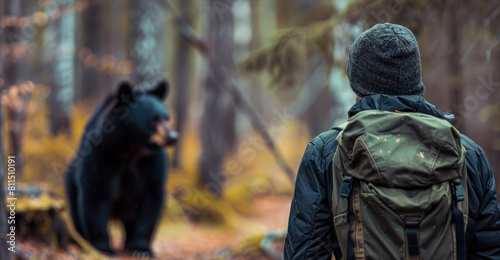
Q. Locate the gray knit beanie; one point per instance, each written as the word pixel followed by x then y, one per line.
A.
pixel 385 60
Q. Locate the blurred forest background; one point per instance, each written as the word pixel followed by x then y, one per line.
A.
pixel 252 82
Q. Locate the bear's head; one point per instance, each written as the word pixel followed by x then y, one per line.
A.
pixel 145 119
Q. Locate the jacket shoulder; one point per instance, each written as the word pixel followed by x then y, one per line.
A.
pixel 325 143
pixel 479 174
pixel 475 156
pixel 469 144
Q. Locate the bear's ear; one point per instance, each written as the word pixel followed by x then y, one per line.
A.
pixel 160 90
pixel 125 93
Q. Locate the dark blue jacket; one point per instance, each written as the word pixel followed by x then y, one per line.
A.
pixel 311 233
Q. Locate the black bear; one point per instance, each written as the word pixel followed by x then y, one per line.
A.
pixel 120 168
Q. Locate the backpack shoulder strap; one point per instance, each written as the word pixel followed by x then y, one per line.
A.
pixel 345 192
pixel 341 126
pixel 460 207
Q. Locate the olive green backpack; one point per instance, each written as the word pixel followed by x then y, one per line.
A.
pixel 400 187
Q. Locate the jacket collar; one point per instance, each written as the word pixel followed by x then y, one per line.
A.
pixel 413 103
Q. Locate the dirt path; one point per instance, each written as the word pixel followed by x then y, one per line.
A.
pixel 202 242
pixel 193 241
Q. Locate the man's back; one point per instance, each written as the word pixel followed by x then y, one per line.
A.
pixel 311 230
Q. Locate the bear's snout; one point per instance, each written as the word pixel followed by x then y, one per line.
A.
pixel 164 134
pixel 173 137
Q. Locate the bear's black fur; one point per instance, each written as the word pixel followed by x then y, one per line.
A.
pixel 120 168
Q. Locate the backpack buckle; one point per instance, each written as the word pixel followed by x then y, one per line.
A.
pixel 412 226
pixel 345 191
pixel 412 223
pixel 459 191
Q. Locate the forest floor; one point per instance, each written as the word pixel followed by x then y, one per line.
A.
pixel 192 241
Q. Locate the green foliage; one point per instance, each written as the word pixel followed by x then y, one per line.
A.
pixel 288 54
pixel 249 247
pixel 37 198
pixel 262 246
pixel 46 156
pixel 290 51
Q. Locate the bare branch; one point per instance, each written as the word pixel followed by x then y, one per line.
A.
pixel 241 102
pixel 187 31
pixel 239 99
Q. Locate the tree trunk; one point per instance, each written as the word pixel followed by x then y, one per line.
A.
pixel 217 130
pixel 317 114
pixel 256 95
pixel 181 74
pixel 108 33
pixel 238 98
pixel 15 70
pixel 4 253
pixel 62 84
pixel 116 44
pixel 148 51
pixel 455 86
pixel 88 85
pixel 284 13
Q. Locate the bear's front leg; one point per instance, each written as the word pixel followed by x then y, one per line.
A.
pixel 95 216
pixel 97 180
pixel 148 203
pixel 140 228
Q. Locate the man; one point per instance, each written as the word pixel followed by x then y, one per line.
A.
pixel 384 71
